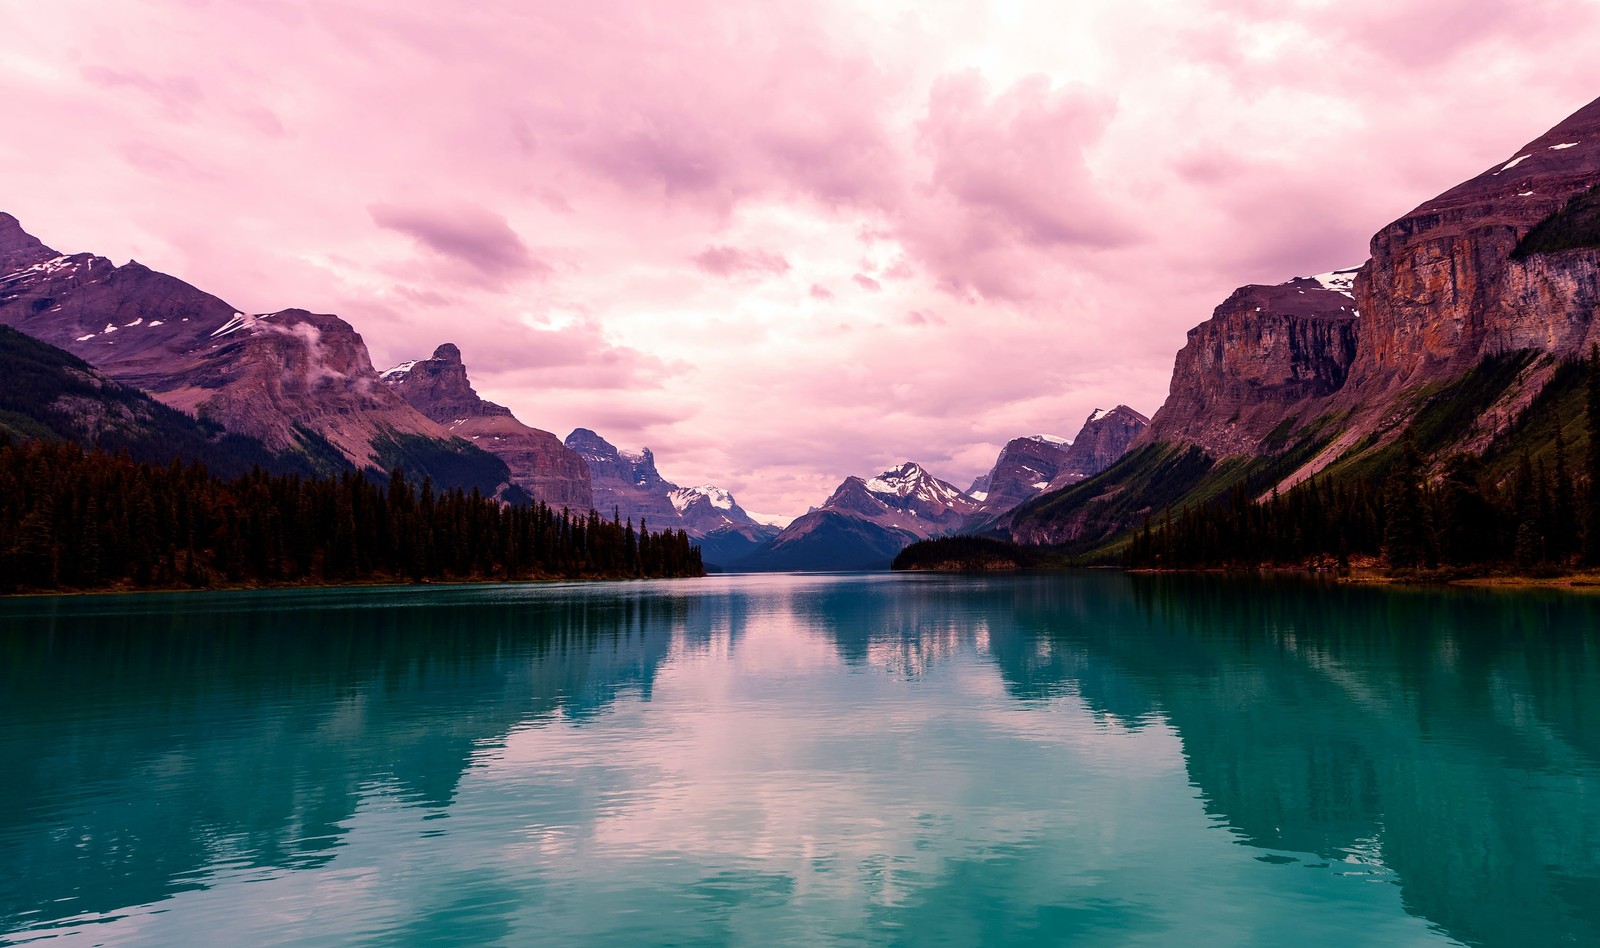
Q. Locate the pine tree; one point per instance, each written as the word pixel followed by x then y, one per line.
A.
pixel 1405 526
pixel 1592 532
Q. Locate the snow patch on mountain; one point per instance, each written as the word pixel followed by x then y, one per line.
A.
pixel 1339 281
pixel 684 496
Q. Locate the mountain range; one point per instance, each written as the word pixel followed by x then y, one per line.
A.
pixel 177 372
pixel 296 391
pixel 300 383
pixel 867 520
pixel 629 486
pixel 1452 332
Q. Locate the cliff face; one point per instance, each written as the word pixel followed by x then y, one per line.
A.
pixel 439 388
pixel 18 248
pixel 1267 355
pixel 1442 289
pixel 1507 261
pixel 537 460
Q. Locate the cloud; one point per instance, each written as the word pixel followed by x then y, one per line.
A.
pixel 463 233
pixel 731 261
pixel 638 222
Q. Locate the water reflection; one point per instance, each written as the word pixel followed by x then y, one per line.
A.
pixel 1444 740
pixel 1094 759
pixel 143 746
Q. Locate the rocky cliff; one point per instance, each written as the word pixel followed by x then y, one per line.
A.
pixel 538 462
pixel 1444 286
pixel 1268 359
pixel 1025 467
pixel 1325 374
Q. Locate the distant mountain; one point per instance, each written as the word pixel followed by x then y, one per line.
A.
pixel 539 463
pixel 1038 464
pixel 1104 438
pixel 52 394
pixel 726 547
pixel 625 483
pixel 1025 467
pixel 630 485
pixel 866 521
pixel 296 381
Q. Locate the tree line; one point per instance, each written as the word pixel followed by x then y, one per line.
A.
pixel 72 519
pixel 1422 514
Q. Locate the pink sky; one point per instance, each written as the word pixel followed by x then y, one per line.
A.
pixel 777 243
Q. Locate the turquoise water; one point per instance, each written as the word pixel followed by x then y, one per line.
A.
pixel 1091 759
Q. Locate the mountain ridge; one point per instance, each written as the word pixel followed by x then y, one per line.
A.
pixel 292 379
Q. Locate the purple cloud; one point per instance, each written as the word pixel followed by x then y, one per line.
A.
pixel 732 261
pixel 465 234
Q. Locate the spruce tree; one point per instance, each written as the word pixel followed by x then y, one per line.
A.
pixel 1405 526
pixel 1592 532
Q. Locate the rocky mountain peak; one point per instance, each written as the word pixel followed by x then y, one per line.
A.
pixel 18 248
pixel 910 487
pixel 1036 464
pixel 1025 467
pixel 439 388
pixel 539 463
pixel 1105 437
pixel 593 447
pixel 624 482
pixel 708 508
pixel 866 520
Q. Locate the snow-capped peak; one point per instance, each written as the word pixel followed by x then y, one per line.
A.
pixel 1049 439
pixel 1099 413
pixel 899 481
pixel 398 372
pixel 910 480
pixel 1339 281
pixel 684 496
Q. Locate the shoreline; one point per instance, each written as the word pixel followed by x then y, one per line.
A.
pixel 373 584
pixel 1581 581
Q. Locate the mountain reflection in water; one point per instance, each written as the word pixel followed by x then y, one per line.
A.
pixel 1095 758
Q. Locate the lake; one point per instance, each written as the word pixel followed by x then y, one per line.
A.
pixel 1086 759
